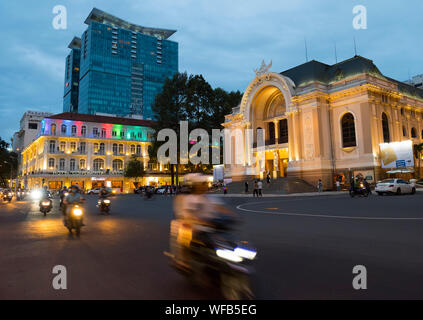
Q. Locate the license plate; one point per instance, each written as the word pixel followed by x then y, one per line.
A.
pixel 184 236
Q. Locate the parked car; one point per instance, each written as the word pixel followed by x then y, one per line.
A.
pixel 94 191
pixel 394 186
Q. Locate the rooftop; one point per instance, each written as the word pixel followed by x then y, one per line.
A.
pixel 75 43
pixel 100 16
pixel 313 71
pixel 102 119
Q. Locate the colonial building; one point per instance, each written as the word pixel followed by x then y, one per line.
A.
pixel 324 121
pixel 89 150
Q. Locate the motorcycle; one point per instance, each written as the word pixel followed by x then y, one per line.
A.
pixel 103 205
pixel 46 205
pixel 7 196
pixel 74 218
pixel 20 195
pixel 214 258
pixel 361 191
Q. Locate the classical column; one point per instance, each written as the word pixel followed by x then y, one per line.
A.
pixel 276 122
pixel 276 169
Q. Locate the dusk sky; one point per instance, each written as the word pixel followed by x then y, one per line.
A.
pixel 222 40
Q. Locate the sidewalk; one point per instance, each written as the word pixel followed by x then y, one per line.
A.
pixel 304 194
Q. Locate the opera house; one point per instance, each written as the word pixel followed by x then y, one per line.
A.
pixel 321 121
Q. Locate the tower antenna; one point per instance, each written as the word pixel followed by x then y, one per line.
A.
pixel 306 51
pixel 336 55
pixel 355 47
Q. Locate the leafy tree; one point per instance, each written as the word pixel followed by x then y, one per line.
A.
pixel 190 98
pixel 418 153
pixel 8 163
pixel 134 169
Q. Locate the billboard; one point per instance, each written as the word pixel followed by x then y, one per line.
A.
pixel 397 154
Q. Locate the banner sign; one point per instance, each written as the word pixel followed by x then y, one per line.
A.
pixel 397 154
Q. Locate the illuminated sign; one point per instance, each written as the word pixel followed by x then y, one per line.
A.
pixel 397 154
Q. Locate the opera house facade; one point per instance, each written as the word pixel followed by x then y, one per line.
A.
pixel 322 121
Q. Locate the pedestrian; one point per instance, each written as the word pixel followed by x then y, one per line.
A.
pixel 320 186
pixel 255 191
pixel 268 178
pixel 338 185
pixel 225 189
pixel 246 186
pixel 260 188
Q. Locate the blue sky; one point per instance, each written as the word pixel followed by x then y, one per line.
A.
pixel 223 40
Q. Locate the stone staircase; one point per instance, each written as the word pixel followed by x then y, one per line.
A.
pixel 285 185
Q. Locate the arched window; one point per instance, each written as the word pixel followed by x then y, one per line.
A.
pixel 53 129
pixel 138 150
pixel 115 148
pixel 62 146
pixel 98 164
pixel 51 163
pixel 117 165
pixel 102 148
pixel 271 129
pixel 103 133
pixel 83 131
pixel 132 149
pixel 121 148
pixel 72 165
pixel 63 129
pixel 348 131
pixel 62 164
pixel 385 128
pixel 413 133
pixel 52 146
pixel 73 130
pixel 82 164
pixel 404 131
pixel 95 146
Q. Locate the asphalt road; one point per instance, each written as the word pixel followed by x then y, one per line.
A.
pixel 307 248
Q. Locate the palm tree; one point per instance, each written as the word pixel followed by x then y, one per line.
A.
pixel 418 152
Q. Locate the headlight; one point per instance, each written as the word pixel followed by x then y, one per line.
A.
pixel 36 194
pixel 228 255
pixel 9 194
pixel 245 253
pixel 361 185
pixel 77 212
pixel 107 201
pixel 45 203
pixel 66 194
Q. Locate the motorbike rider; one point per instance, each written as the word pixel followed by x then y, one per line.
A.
pixel 74 197
pixel 196 209
pixel 103 193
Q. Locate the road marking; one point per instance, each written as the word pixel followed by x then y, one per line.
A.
pixel 239 207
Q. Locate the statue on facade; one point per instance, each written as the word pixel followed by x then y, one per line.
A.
pixel 263 68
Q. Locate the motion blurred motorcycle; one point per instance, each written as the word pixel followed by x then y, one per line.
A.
pixel 46 205
pixel 7 196
pixel 103 205
pixel 20 195
pixel 74 218
pixel 361 191
pixel 213 257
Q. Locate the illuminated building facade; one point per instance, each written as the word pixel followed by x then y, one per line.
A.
pixel 123 66
pixel 323 121
pixel 90 151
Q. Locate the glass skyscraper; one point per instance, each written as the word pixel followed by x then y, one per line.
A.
pixel 122 66
pixel 71 85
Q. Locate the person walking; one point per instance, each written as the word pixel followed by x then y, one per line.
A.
pixel 255 191
pixel 268 178
pixel 320 186
pixel 338 185
pixel 246 186
pixel 260 188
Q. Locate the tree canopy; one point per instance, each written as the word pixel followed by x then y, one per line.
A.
pixel 191 98
pixel 134 169
pixel 8 163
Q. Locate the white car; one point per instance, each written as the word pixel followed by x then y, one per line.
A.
pixel 394 186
